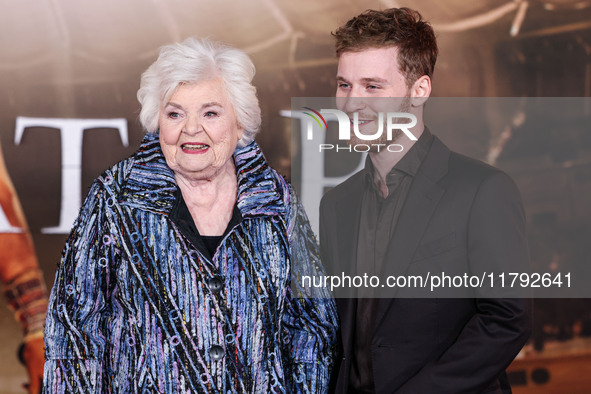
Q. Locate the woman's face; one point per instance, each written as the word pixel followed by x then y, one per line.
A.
pixel 199 130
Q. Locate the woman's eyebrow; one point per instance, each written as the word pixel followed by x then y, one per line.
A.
pixel 211 104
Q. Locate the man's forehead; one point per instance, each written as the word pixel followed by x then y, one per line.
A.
pixel 369 63
pixel 389 51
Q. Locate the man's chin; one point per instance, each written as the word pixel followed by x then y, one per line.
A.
pixel 369 133
pixel 383 140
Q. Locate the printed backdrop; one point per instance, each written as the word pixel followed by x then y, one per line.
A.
pixel 69 72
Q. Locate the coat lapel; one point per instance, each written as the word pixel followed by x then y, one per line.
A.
pixel 150 185
pixel 347 229
pixel 420 204
pixel 258 191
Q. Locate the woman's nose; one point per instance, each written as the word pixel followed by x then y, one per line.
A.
pixel 192 125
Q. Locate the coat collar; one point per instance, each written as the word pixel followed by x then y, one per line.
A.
pixel 151 184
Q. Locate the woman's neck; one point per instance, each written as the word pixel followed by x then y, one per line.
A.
pixel 210 201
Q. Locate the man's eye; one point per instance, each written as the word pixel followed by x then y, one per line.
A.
pixel 343 85
pixel 372 87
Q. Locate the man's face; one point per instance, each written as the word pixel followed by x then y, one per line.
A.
pixel 370 82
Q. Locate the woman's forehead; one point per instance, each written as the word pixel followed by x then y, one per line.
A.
pixel 207 91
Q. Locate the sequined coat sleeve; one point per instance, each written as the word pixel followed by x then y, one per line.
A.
pixel 311 319
pixel 75 335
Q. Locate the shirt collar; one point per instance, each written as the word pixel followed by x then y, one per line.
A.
pixel 151 184
pixel 410 163
pixel 259 189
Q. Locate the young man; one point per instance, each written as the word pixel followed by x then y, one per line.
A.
pixel 421 209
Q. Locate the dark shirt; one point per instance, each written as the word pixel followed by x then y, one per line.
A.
pixel 377 223
pixel 182 218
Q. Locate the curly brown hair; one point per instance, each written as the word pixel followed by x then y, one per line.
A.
pixel 402 28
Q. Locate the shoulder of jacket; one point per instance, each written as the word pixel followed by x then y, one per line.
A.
pixel 113 179
pixel 344 190
pixel 472 168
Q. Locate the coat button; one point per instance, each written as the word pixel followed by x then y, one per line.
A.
pixel 215 284
pixel 216 352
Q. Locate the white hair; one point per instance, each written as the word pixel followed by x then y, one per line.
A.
pixel 195 60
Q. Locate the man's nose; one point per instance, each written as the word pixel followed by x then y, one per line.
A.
pixel 352 102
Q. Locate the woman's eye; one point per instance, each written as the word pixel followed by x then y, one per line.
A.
pixel 210 114
pixel 174 115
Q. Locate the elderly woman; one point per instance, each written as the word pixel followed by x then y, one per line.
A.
pixel 177 276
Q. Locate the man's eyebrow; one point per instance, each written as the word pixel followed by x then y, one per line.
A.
pixel 365 80
pixel 374 79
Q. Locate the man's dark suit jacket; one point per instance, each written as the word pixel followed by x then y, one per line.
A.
pixel 460 215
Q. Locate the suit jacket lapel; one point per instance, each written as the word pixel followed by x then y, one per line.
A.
pixel 348 229
pixel 349 207
pixel 420 203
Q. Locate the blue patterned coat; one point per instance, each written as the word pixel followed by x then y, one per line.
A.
pixel 132 308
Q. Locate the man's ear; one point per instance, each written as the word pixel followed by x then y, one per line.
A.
pixel 420 90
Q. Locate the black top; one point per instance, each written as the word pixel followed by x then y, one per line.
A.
pixel 376 228
pixel 182 218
